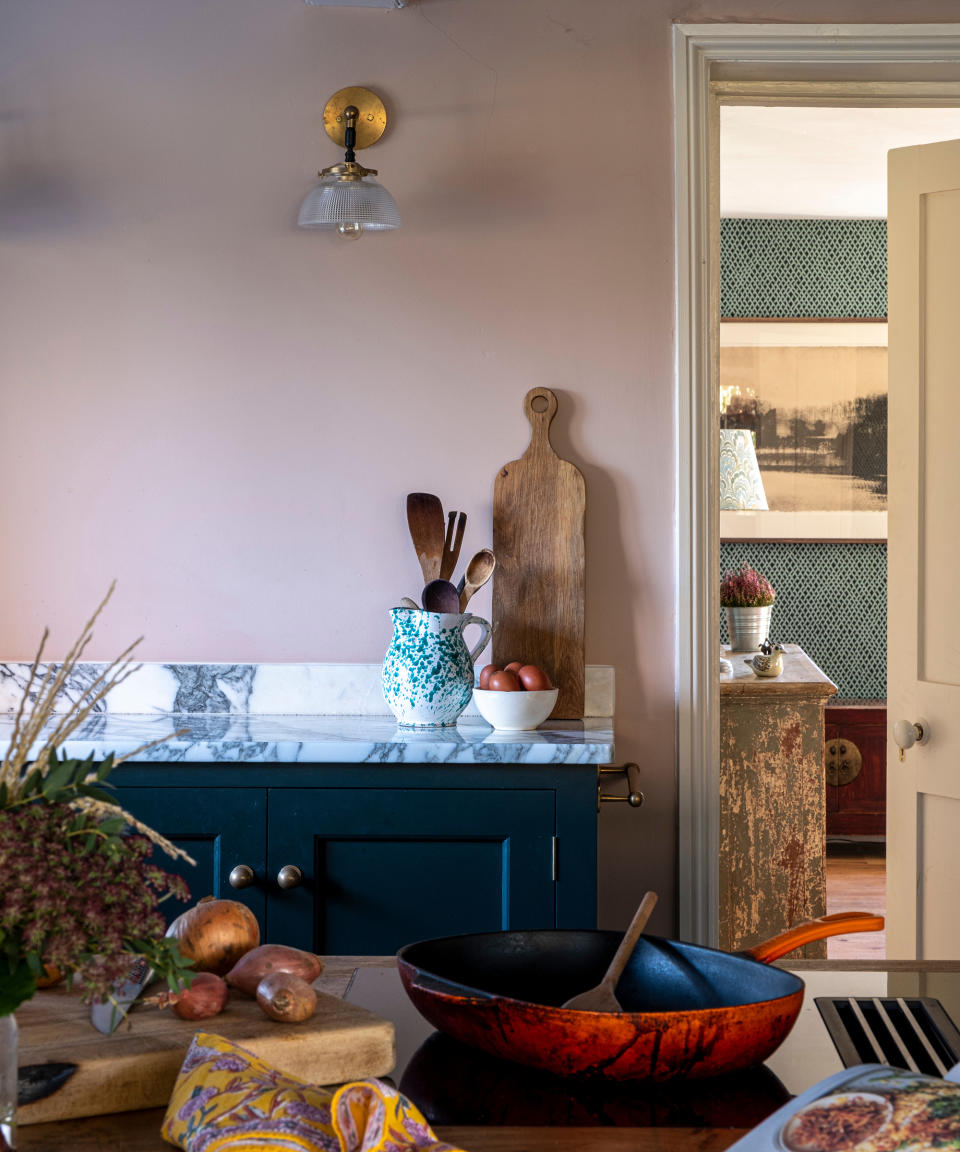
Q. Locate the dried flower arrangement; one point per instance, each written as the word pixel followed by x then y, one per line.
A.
pixel 745 588
pixel 79 891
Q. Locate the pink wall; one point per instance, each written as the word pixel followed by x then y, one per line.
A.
pixel 225 413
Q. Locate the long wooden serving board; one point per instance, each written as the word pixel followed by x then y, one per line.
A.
pixel 539 504
pixel 137 1066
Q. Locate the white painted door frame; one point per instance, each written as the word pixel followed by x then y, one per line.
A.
pixel 871 64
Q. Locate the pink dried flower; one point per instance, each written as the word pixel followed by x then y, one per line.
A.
pixel 79 890
pixel 745 588
pixel 77 896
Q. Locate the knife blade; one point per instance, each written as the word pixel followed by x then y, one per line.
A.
pixel 107 1015
pixel 35 1081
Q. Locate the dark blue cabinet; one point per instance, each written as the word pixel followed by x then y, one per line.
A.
pixel 380 855
pixel 217 827
pixel 385 867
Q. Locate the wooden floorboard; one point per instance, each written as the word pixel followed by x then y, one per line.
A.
pixel 856 882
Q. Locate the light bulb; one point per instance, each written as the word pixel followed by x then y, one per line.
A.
pixel 350 230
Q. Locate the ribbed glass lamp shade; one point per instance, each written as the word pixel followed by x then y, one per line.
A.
pixel 336 202
pixel 741 488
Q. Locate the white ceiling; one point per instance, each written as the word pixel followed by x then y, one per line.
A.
pixel 819 162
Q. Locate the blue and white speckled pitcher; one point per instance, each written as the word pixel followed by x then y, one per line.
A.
pixel 428 670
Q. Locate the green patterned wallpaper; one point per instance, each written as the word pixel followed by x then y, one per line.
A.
pixel 817 269
pixel 831 600
pixel 831 596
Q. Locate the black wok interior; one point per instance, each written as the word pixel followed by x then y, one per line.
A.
pixel 548 967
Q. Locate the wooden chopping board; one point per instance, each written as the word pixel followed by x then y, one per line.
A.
pixel 137 1066
pixel 539 503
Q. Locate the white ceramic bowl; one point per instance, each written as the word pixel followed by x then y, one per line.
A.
pixel 514 711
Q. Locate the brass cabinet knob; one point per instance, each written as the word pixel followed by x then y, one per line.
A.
pixel 242 876
pixel 289 876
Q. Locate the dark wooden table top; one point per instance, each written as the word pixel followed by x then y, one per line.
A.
pixel 140 1131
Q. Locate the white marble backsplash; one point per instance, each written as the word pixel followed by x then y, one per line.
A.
pixel 254 690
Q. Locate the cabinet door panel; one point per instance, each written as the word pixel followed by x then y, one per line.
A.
pixel 218 827
pixel 385 867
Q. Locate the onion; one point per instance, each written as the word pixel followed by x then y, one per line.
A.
pixel 251 968
pixel 214 934
pixel 286 997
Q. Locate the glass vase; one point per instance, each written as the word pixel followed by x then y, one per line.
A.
pixel 8 1082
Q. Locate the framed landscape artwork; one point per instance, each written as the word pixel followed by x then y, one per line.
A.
pixel 814 396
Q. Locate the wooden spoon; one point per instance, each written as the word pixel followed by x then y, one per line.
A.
pixel 425 520
pixel 440 596
pixel 601 998
pixel 478 572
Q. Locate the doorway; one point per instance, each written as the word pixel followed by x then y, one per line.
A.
pixel 846 66
pixel 803 377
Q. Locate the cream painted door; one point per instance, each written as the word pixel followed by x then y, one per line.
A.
pixel 923 655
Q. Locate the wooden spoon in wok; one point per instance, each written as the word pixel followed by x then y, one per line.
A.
pixel 602 998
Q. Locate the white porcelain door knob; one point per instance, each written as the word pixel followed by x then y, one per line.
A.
pixel 906 734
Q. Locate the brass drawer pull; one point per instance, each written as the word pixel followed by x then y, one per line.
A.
pixel 242 876
pixel 289 876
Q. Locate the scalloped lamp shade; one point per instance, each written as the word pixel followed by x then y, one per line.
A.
pixel 340 204
pixel 741 488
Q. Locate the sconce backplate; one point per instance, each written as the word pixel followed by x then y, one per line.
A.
pixel 370 123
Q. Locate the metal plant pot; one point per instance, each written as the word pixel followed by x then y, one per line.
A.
pixel 748 627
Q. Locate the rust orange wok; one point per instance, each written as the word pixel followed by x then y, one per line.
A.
pixel 688 1010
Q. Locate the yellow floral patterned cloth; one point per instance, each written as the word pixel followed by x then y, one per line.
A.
pixel 228 1100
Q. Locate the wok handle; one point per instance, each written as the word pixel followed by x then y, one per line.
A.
pixel 837 924
pixel 431 983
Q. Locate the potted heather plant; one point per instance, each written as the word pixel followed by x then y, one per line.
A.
pixel 747 597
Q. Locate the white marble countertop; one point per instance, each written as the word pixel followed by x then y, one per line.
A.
pixel 296 713
pixel 330 740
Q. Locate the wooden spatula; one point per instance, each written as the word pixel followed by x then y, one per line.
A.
pixel 601 998
pixel 451 544
pixel 425 520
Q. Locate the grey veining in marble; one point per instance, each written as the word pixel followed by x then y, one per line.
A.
pixel 291 713
pixel 237 738
pixel 255 689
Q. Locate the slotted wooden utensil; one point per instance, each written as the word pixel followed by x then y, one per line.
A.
pixel 601 998
pixel 451 544
pixel 539 506
pixel 425 520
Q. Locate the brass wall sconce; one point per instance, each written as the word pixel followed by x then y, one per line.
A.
pixel 348 200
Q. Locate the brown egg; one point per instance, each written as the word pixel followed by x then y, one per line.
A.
pixel 534 679
pixel 486 673
pixel 505 681
pixel 513 666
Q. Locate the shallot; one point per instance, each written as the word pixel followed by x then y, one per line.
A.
pixel 287 998
pixel 205 997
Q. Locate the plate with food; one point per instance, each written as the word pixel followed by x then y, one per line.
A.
pixel 837 1123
